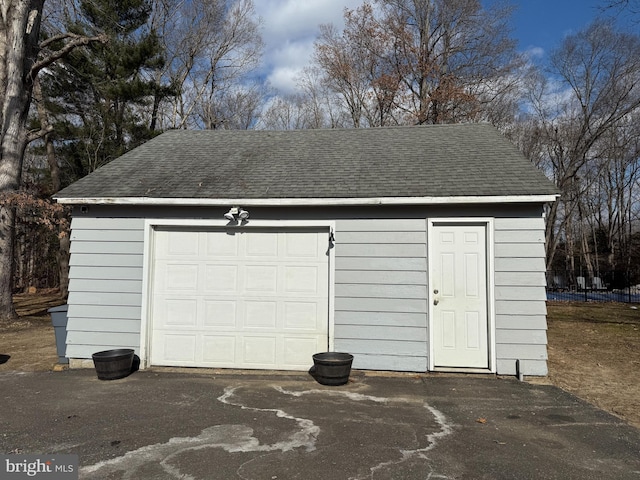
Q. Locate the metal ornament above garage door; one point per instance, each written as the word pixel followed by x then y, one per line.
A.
pixel 239 297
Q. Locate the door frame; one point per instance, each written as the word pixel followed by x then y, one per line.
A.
pixel 150 226
pixel 488 223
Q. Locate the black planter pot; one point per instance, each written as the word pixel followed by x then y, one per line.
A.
pixel 332 368
pixel 113 364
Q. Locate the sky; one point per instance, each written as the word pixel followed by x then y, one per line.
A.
pixel 291 26
pixel 540 25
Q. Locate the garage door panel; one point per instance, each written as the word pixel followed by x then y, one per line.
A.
pixel 250 299
pixel 220 313
pixel 182 243
pixel 220 278
pixel 179 348
pixel 181 276
pixel 260 315
pixel 261 244
pixel 299 245
pixel 258 351
pixel 302 316
pixel 218 349
pixel 296 350
pixel 179 312
pixel 261 279
pixel 303 279
pixel 224 244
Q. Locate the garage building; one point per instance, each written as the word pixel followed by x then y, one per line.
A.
pixel 413 248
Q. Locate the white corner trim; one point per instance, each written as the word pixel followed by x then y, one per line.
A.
pixel 293 202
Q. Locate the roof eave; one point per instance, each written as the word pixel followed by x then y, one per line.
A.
pixel 310 202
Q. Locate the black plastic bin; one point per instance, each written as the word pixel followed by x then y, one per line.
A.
pixel 113 364
pixel 332 368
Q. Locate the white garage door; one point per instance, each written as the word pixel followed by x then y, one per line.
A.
pixel 239 298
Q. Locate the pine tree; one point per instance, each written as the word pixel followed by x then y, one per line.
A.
pixel 99 96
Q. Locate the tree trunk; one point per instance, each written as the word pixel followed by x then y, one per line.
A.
pixel 7 223
pixel 63 264
pixel 551 237
pixel 54 169
pixel 19 31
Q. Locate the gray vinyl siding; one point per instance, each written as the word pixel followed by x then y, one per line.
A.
pixel 105 285
pixel 380 282
pixel 381 293
pixel 520 296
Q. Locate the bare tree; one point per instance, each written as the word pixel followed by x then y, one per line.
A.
pixel 448 52
pixel 320 106
pixel 285 113
pixel 357 67
pixel 314 105
pixel 234 108
pixel 341 74
pixel 607 206
pixel 422 61
pixel 620 6
pixel 211 46
pixel 595 90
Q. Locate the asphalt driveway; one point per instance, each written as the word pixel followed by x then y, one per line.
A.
pixel 167 425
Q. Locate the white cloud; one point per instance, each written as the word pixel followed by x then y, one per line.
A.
pixel 284 78
pixel 535 52
pixel 299 19
pixel 289 29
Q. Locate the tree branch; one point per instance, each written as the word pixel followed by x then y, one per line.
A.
pixel 61 36
pixel 78 41
pixel 36 134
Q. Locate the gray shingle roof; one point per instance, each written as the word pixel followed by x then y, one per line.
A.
pixel 418 161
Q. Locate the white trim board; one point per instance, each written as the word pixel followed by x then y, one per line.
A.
pixel 293 202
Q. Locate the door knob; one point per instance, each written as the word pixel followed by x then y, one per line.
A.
pixel 435 301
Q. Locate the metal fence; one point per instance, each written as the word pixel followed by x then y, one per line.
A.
pixel 608 287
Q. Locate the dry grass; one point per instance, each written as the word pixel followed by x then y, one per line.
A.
pixel 598 313
pixel 29 344
pixel 594 352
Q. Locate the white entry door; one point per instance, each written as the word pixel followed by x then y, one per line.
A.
pixel 239 298
pixel 460 324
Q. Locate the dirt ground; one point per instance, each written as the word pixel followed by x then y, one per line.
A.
pixel 594 349
pixel 29 345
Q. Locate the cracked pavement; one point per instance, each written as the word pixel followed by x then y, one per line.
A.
pixel 159 424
